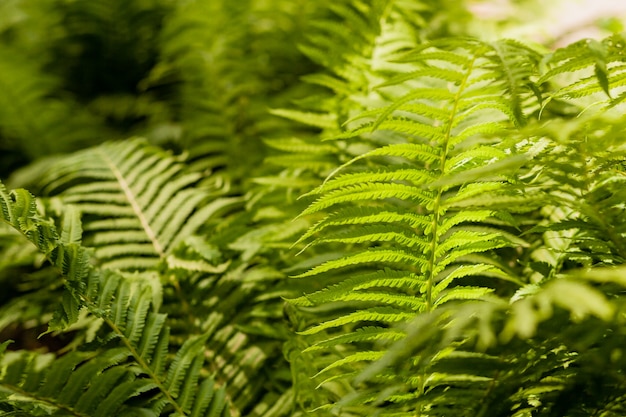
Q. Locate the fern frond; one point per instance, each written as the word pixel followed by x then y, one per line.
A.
pixel 84 384
pixel 18 209
pixel 396 206
pixel 585 210
pixel 127 305
pixel 96 386
pixel 139 201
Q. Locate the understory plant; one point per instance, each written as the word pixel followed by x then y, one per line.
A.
pixel 348 208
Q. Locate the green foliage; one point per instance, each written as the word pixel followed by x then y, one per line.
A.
pixel 127 359
pixel 347 208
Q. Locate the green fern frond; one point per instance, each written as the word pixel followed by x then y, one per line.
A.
pixel 19 210
pixel 450 210
pixel 95 388
pixel 585 210
pixel 396 205
pixel 128 307
pixel 85 384
pixel 139 201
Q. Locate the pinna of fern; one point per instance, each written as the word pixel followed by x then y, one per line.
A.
pixel 407 211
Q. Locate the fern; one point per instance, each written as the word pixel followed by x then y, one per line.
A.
pixel 139 202
pixel 603 57
pixel 128 306
pixel 151 227
pixel 340 208
pixel 568 185
pixel 423 244
pixel 99 384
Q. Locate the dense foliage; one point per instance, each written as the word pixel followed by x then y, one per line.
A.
pixel 287 208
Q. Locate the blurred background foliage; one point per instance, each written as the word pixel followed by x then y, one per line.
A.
pixel 187 75
pixel 182 73
pixel 76 73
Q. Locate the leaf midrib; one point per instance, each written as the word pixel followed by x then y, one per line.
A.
pixel 442 164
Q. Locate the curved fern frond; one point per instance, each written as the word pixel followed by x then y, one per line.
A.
pixel 97 384
pixel 128 307
pixel 137 201
pixel 19 210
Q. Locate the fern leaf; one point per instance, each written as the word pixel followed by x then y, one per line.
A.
pixel 385 278
pixel 369 333
pixel 81 377
pixel 96 378
pixel 365 216
pixel 183 360
pixel 406 175
pixel 462 293
pixel 145 190
pixel 367 192
pixel 120 393
pixel 371 234
pixel 383 314
pixel 373 256
pixel 350 360
pixel 462 271
pixel 209 397
pixel 71 259
pixel 603 59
